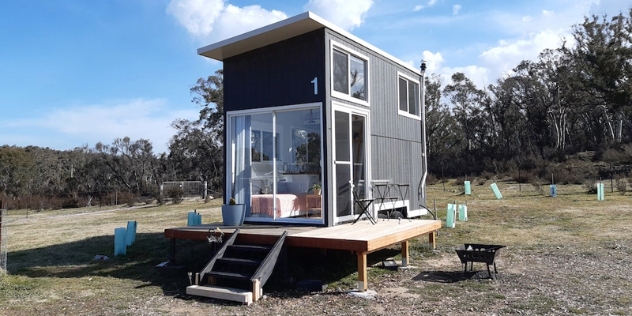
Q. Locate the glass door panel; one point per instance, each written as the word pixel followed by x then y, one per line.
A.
pixel 276 165
pixel 349 153
pixel 342 132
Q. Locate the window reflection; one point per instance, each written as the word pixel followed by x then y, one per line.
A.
pixel 278 168
pixel 349 75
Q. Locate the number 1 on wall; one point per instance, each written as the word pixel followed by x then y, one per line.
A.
pixel 315 82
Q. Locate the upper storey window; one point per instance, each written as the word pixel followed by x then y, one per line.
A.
pixel 350 74
pixel 408 96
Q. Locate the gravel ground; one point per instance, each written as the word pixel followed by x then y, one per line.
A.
pixel 552 280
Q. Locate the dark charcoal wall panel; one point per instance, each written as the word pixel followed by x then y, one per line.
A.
pixel 278 74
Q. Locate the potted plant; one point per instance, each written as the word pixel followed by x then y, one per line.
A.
pixel 316 188
pixel 233 214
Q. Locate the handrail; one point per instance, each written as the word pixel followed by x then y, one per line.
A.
pixel 264 271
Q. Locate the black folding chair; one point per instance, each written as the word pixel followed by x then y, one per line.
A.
pixel 364 205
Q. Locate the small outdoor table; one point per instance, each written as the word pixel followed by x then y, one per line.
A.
pixel 382 193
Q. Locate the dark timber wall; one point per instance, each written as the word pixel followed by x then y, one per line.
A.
pixel 275 75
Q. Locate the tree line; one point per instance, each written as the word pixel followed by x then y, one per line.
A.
pixel 121 172
pixel 571 100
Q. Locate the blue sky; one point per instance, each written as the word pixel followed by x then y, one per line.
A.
pixel 75 72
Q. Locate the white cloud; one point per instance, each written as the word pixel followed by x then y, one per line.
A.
pixel 215 20
pixel 525 39
pixel 479 75
pixel 234 20
pixel 433 61
pixel 69 127
pixel 347 14
pixel 456 8
pixel 420 7
pixel 198 16
pixel 507 54
pixel 435 66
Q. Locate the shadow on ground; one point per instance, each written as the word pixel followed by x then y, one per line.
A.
pixel 450 276
pixel 78 259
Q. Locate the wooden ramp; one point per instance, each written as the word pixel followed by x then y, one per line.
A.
pixel 361 238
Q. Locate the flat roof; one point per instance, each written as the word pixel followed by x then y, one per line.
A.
pixel 280 31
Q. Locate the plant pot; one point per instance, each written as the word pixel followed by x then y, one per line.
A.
pixel 233 215
pixel 317 191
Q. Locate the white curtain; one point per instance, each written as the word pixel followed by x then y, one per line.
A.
pixel 241 159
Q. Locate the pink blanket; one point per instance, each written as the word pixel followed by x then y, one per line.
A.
pixel 288 205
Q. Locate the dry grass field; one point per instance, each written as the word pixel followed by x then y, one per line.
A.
pixel 565 255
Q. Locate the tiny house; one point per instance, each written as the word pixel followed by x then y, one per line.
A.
pixel 314 114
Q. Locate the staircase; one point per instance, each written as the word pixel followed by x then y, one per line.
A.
pixel 238 272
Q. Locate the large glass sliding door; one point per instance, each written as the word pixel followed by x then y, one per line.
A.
pixel 350 166
pixel 276 163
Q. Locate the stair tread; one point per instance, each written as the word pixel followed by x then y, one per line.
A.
pixel 231 275
pixel 250 247
pixel 240 261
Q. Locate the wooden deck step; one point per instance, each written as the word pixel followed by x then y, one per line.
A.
pixel 230 275
pixel 239 261
pixel 254 248
pixel 222 293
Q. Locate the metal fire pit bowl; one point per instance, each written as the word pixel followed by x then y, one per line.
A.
pixel 479 253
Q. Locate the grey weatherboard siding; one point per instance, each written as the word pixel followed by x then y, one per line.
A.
pixel 395 139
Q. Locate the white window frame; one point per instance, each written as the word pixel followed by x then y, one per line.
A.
pixel 411 79
pixel 347 97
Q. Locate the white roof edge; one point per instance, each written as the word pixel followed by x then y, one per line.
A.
pixel 304 16
pixel 254 33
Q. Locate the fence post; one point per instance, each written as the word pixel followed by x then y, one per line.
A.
pixel 1 208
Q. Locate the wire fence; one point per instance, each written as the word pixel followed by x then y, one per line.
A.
pixel 188 188
pixel 3 239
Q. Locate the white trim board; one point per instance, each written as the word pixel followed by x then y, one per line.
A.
pixel 282 30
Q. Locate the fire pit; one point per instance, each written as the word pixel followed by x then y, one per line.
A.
pixel 479 253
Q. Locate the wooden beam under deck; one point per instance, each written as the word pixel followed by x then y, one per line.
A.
pixel 361 238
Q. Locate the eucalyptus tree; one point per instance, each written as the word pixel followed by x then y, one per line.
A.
pixel 16 167
pixel 209 94
pixel 475 126
pixel 196 151
pixel 130 163
pixel 443 144
pixel 464 99
pixel 507 111
pixel 603 57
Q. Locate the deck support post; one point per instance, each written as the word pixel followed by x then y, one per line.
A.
pixel 432 240
pixel 363 282
pixel 405 253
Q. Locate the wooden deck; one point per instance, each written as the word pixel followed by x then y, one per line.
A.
pixel 360 238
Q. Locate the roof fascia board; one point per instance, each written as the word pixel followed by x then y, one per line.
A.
pixel 215 51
